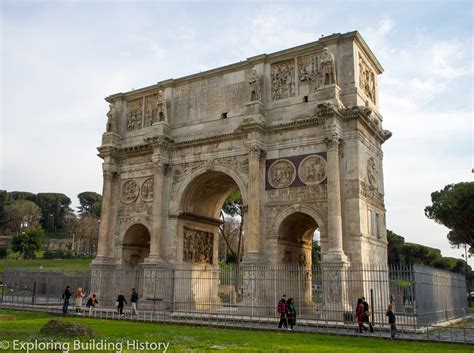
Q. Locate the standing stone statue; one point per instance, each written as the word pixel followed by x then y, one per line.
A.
pixel 254 85
pixel 328 69
pixel 161 113
pixel 111 126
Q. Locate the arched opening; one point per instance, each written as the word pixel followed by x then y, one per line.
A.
pixel 295 236
pixel 136 245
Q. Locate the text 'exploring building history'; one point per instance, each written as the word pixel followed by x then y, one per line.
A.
pixel 298 132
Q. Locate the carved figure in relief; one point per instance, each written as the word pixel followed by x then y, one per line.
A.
pixel 328 69
pixel 160 112
pixel 134 121
pixel 371 171
pixel 312 170
pixel 254 84
pixel 283 85
pixel 366 79
pixel 147 190
pixel 111 124
pixel 197 246
pixel 281 173
pixel 129 191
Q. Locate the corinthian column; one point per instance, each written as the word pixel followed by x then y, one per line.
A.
pixel 335 252
pixel 160 170
pixel 103 246
pixel 254 213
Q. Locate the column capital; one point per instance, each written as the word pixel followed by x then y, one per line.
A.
pixel 256 152
pixel 160 164
pixel 333 141
pixel 109 171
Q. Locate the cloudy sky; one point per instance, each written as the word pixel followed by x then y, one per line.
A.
pixel 60 59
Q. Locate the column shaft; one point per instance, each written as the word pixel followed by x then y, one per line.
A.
pixel 103 245
pixel 254 196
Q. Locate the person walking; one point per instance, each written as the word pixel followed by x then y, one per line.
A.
pixel 66 296
pixel 120 303
pixel 391 320
pixel 360 316
pixel 291 313
pixel 367 314
pixel 91 302
pixel 282 309
pixel 134 301
pixel 79 295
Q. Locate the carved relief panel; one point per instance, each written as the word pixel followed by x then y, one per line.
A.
pixel 281 174
pixel 134 115
pixel 283 79
pixel 366 79
pixel 317 70
pixel 372 172
pixel 198 246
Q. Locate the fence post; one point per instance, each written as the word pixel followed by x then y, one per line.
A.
pixel 33 293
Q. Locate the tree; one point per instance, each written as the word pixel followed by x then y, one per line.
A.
pixel 3 203
pixel 85 233
pixel 233 208
pixel 19 215
pixel 55 208
pixel 28 242
pixel 454 208
pixel 395 248
pixel 90 203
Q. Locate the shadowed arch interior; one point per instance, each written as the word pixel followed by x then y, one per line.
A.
pixel 207 193
pixel 136 245
pixel 297 227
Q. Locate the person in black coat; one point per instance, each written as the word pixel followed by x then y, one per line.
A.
pixel 134 301
pixel 391 320
pixel 120 303
pixel 366 314
pixel 65 296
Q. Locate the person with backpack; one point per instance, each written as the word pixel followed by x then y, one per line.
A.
pixel 120 303
pixel 282 309
pixel 291 313
pixel 91 303
pixel 367 314
pixel 134 302
pixel 65 297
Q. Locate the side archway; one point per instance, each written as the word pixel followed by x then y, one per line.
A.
pixel 135 245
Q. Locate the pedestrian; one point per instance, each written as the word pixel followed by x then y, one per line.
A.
pixel 91 302
pixel 391 320
pixel 65 296
pixel 360 316
pixel 79 295
pixel 134 302
pixel 291 313
pixel 120 301
pixel 282 309
pixel 367 314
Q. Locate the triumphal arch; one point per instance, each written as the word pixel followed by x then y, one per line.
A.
pixel 298 132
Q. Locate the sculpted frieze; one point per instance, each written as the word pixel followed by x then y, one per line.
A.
pixel 130 191
pixel 317 70
pixel 283 80
pixel 372 172
pixel 358 188
pixel 197 246
pixel 134 115
pixel 281 173
pixel 312 170
pixel 366 79
pixel 146 191
pixel 305 193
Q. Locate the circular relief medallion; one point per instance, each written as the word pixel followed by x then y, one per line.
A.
pixel 312 170
pixel 281 174
pixel 129 191
pixel 147 190
pixel 371 172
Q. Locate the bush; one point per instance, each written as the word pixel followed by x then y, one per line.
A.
pixel 3 253
pixel 58 254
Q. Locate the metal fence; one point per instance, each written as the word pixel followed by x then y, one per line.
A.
pixel 421 295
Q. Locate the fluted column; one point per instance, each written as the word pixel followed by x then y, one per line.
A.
pixel 335 251
pixel 103 246
pixel 254 214
pixel 160 170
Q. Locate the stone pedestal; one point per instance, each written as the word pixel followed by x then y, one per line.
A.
pixel 335 290
pixel 254 108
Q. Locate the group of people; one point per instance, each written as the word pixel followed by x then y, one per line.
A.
pixel 287 310
pixel 92 301
pixel 363 313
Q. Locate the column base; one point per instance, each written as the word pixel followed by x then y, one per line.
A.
pixel 335 257
pixel 153 260
pixel 253 258
pixel 102 260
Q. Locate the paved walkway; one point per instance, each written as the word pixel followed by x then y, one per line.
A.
pixel 460 333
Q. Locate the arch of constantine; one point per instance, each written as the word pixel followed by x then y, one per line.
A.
pixel 298 132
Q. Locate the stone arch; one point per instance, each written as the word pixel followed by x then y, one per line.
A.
pixel 135 244
pixel 177 205
pixel 295 227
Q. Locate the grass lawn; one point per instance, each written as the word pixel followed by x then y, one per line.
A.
pixel 26 327
pixel 55 264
